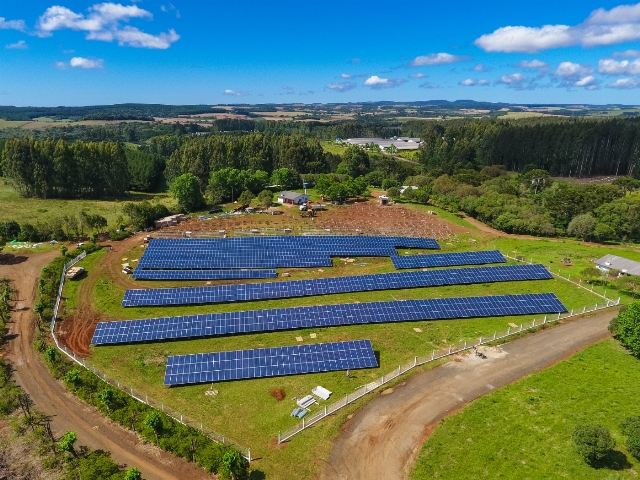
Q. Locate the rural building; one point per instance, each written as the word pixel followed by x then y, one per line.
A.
pixel 293 198
pixel 405 187
pixel 613 262
pixel 170 221
pixel 401 143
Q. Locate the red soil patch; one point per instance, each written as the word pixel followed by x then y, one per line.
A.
pixel 278 394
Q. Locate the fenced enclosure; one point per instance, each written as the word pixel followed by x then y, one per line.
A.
pixel 435 355
pixel 141 397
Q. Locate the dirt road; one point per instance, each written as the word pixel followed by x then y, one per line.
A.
pixel 384 437
pixel 50 396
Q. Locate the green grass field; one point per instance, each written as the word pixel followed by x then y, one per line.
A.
pixel 245 410
pixel 32 210
pixel 523 431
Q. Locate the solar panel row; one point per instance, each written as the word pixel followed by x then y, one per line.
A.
pixel 447 259
pixel 269 362
pixel 252 321
pixel 327 286
pixel 270 252
pixel 140 274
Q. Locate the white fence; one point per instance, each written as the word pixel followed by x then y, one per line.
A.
pixel 435 355
pixel 216 437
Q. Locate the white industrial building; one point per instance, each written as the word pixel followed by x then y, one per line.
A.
pixel 613 262
pixel 401 143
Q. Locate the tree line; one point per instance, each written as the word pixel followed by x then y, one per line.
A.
pixel 563 147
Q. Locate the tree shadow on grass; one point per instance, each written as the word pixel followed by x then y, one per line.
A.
pixel 615 460
pixel 257 475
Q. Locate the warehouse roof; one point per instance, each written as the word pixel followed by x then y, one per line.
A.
pixel 625 265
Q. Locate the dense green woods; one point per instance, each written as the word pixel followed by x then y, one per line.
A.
pixel 563 147
pixel 202 156
pixel 51 169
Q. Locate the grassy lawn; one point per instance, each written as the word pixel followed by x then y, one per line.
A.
pixel 523 431
pixel 333 147
pixel 33 210
pixel 245 410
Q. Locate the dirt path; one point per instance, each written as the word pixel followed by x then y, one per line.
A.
pixel 68 412
pixel 384 437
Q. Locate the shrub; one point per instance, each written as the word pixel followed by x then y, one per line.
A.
pixel 592 442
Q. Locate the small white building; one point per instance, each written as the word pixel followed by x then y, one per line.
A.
pixel 613 262
pixel 401 143
pixel 293 198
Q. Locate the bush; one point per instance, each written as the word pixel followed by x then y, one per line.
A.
pixel 592 442
pixel 117 235
pixel 628 328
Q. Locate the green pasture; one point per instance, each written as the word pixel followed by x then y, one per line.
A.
pixel 33 210
pixel 523 431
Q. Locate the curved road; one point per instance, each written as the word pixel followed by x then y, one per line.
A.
pixel 384 437
pixel 67 411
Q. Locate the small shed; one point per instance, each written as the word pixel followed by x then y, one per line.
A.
pixel 384 200
pixel 292 198
pixel 613 262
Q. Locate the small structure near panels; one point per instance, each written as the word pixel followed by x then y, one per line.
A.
pixel 613 262
pixel 292 198
pixel 169 221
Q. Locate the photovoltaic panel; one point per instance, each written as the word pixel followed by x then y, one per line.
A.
pixel 141 274
pixel 447 259
pixel 253 321
pixel 270 252
pixel 269 362
pixel 327 286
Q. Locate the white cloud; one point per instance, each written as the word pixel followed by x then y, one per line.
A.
pixel 87 63
pixel 104 23
pixel 570 70
pixel 533 64
pixel 626 54
pixel 589 82
pixel 377 83
pixel 12 24
pixel 429 85
pixel 481 68
pixel 436 59
pixel 469 82
pixel 19 45
pixel 289 90
pixel 603 27
pixel 417 75
pixel 341 86
pixel 345 75
pixel 624 83
pixel 61 65
pixel 609 66
pixel 516 81
pixel 233 93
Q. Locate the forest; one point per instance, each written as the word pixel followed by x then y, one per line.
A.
pixel 495 170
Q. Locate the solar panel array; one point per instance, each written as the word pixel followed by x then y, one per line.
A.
pixel 269 362
pixel 141 274
pixel 327 286
pixel 252 321
pixel 447 259
pixel 270 252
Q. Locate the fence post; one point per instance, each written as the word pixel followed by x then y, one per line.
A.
pixel 494 335
pixel 449 348
pixel 382 380
pixel 432 354
pixel 325 407
pixel 249 452
pixel 509 331
pixel 278 437
pixel 398 370
pixel 480 341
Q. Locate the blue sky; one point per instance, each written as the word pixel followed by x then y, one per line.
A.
pixel 72 52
